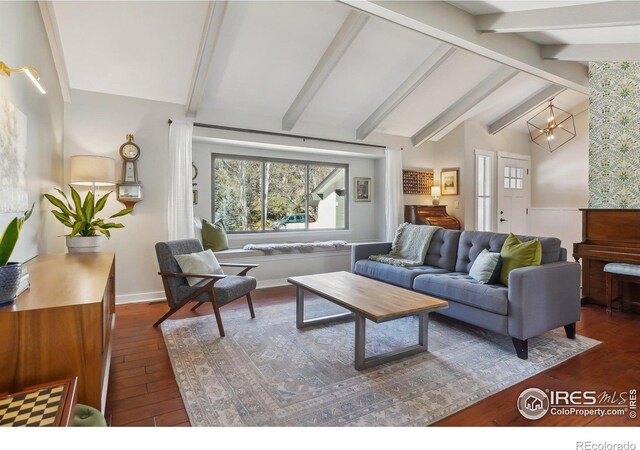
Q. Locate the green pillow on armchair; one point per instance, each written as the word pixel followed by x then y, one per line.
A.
pixel 214 236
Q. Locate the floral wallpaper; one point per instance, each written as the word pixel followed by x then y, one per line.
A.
pixel 614 135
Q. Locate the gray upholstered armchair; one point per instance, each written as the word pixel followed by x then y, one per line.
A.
pixel 217 289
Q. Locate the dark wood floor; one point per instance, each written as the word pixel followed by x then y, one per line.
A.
pixel 143 391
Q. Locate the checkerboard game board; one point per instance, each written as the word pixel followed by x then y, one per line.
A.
pixel 33 409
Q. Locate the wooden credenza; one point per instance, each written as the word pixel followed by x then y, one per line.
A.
pixel 431 215
pixel 61 327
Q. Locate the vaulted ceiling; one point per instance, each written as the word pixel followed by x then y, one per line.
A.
pixel 347 69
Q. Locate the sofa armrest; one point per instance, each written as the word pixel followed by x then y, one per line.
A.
pixel 542 298
pixel 363 251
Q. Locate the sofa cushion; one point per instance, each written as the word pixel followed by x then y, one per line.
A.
pixel 461 288
pixel 473 242
pixel 443 249
pixel 400 276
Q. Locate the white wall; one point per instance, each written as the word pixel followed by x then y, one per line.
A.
pixel 97 124
pixel 561 178
pixel 23 41
pixel 560 186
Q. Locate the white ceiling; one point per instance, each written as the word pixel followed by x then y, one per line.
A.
pixel 265 52
pixel 137 49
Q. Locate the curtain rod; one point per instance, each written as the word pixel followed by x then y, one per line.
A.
pixel 272 133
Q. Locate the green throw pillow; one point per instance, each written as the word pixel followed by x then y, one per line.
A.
pixel 204 263
pixel 516 254
pixel 486 268
pixel 214 236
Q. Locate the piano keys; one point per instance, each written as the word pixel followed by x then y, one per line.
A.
pixel 608 235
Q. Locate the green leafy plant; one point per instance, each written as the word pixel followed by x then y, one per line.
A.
pixel 80 215
pixel 10 236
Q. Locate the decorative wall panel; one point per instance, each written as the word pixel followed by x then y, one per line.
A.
pixel 614 135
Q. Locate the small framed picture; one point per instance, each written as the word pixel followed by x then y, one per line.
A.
pixel 449 181
pixel 363 189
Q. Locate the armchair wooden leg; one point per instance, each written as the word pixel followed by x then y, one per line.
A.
pixel 216 310
pixel 250 303
pixel 198 305
pixel 166 316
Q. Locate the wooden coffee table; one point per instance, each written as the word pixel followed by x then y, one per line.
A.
pixel 366 299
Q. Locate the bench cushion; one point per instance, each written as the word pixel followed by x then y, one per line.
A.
pixel 399 276
pixel 623 269
pixel 461 288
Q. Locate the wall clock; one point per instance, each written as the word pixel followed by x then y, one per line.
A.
pixel 129 190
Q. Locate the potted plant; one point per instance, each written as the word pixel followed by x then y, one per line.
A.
pixel 87 231
pixel 10 271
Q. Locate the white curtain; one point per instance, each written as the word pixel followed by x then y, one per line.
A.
pixel 180 187
pixel 393 201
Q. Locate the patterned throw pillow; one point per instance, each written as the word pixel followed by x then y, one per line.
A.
pixel 516 254
pixel 486 268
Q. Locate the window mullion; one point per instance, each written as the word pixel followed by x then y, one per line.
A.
pixel 264 196
pixel 306 197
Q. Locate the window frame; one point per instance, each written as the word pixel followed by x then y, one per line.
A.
pixel 489 178
pixel 264 160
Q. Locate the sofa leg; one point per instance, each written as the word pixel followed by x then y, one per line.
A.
pixel 570 330
pixel 522 347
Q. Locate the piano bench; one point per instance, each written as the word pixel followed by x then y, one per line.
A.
pixel 619 272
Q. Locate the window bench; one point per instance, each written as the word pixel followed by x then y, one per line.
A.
pixel 277 266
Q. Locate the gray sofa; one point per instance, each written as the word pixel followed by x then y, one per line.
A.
pixel 538 298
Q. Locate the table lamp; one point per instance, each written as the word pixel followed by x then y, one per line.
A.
pixel 435 194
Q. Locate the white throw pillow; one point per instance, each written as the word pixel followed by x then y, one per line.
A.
pixel 486 268
pixel 204 263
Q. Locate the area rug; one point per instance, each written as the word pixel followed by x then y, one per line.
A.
pixel 266 372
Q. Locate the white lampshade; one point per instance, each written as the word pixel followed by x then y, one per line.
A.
pixel 435 191
pixel 92 170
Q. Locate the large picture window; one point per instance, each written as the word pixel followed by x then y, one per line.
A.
pixel 261 195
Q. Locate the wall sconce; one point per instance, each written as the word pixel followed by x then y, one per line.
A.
pixel 435 194
pixel 27 70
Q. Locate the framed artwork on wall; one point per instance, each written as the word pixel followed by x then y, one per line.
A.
pixel 363 189
pixel 13 158
pixel 449 181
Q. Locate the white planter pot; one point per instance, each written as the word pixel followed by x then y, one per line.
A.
pixel 84 244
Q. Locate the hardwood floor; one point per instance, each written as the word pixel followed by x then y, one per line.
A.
pixel 143 391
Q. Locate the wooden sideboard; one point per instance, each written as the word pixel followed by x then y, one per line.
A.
pixel 61 327
pixel 431 215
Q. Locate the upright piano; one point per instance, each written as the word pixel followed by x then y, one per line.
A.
pixel 608 235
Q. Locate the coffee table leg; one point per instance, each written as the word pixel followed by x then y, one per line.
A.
pixel 299 307
pixel 302 323
pixel 360 342
pixel 362 362
pixel 423 330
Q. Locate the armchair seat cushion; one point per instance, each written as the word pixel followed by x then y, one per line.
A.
pixel 227 289
pixel 400 276
pixel 460 287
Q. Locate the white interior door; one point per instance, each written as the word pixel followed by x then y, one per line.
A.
pixel 513 191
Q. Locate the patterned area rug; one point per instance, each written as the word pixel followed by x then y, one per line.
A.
pixel 266 372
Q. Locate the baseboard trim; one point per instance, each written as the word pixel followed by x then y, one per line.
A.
pixel 147 297
pixel 143 297
pixel 272 283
